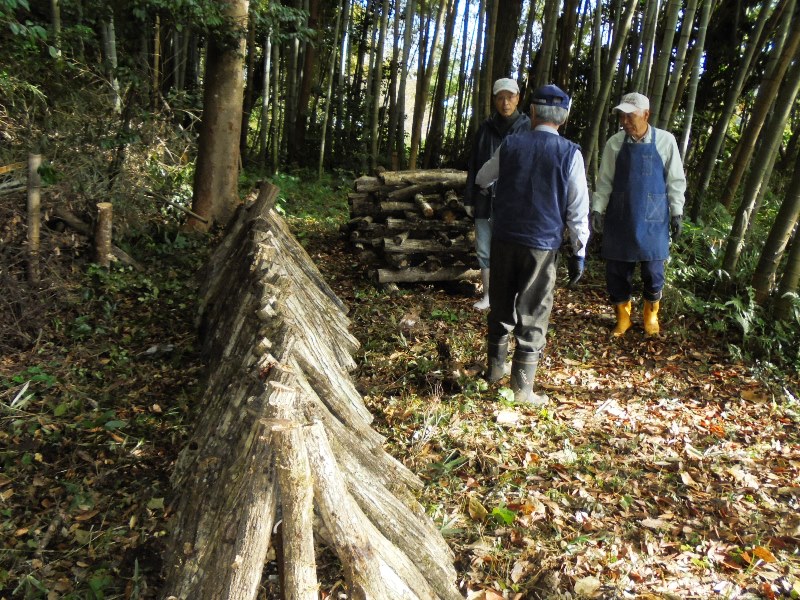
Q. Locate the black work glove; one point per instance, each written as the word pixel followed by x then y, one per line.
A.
pixel 597 221
pixel 575 266
pixel 676 226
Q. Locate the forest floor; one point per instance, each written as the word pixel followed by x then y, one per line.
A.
pixel 660 468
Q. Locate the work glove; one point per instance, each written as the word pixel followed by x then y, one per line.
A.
pixel 597 221
pixel 575 266
pixel 676 226
pixel 469 209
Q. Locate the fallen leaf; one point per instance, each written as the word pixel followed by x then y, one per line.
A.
pixel 588 587
pixel 653 523
pixel 476 510
pixel 507 417
pixel 86 515
pixel 764 554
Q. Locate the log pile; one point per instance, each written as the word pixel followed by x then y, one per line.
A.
pixel 284 442
pixel 412 224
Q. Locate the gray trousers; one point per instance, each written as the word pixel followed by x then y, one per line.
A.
pixel 521 284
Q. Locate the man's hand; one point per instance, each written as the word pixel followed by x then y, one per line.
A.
pixel 676 226
pixel 469 209
pixel 597 221
pixel 575 266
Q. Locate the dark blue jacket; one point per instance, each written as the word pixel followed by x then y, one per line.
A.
pixel 530 206
pixel 487 140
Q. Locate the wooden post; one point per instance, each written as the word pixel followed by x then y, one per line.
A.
pixel 34 215
pixel 102 234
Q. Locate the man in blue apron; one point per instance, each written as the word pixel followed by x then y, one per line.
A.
pixel 540 192
pixel 637 205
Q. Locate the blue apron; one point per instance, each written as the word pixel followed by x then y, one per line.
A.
pixel 636 224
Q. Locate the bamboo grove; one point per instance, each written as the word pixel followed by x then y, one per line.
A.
pixel 354 85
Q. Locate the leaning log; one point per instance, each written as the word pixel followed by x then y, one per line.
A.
pixel 280 405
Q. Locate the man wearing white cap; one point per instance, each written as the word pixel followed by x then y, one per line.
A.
pixel 637 205
pixel 478 203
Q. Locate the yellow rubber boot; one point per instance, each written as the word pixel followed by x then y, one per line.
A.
pixel 623 318
pixel 651 317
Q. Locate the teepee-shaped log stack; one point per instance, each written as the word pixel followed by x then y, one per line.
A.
pixel 285 437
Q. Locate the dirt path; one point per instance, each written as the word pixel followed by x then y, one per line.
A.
pixel 659 469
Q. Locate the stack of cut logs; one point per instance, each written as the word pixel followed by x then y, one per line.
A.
pixel 413 225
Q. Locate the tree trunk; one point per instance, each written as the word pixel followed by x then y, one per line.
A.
pixel 338 142
pixel 766 95
pixel 275 121
pixel 591 149
pixel 400 126
pixel 477 102
pixel 265 90
pixel 677 68
pixel 779 235
pixel 492 10
pixel 461 101
pixel 434 140
pixel 788 285
pixel 508 18
pixel 522 73
pixel 110 52
pixel 329 91
pixel 695 79
pixel 599 111
pixel 641 81
pixel 391 131
pixel 424 84
pixel 55 13
pixel 664 57
pixel 292 53
pixel 759 174
pixel 714 144
pixel 376 86
pixel 155 78
pixel 217 171
pixel 249 95
pixel 566 38
pixel 544 64
pixel 309 64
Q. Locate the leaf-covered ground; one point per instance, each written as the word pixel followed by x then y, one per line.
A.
pixel 659 469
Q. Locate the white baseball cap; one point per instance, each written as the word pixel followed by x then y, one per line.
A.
pixel 633 102
pixel 505 85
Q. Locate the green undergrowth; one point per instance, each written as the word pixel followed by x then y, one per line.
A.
pixel 91 418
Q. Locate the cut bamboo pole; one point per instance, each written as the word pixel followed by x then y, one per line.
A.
pixel 34 215
pixel 102 233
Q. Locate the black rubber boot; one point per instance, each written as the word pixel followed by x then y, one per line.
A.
pixel 497 352
pixel 523 373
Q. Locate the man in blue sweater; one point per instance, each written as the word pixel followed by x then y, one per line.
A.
pixel 540 191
